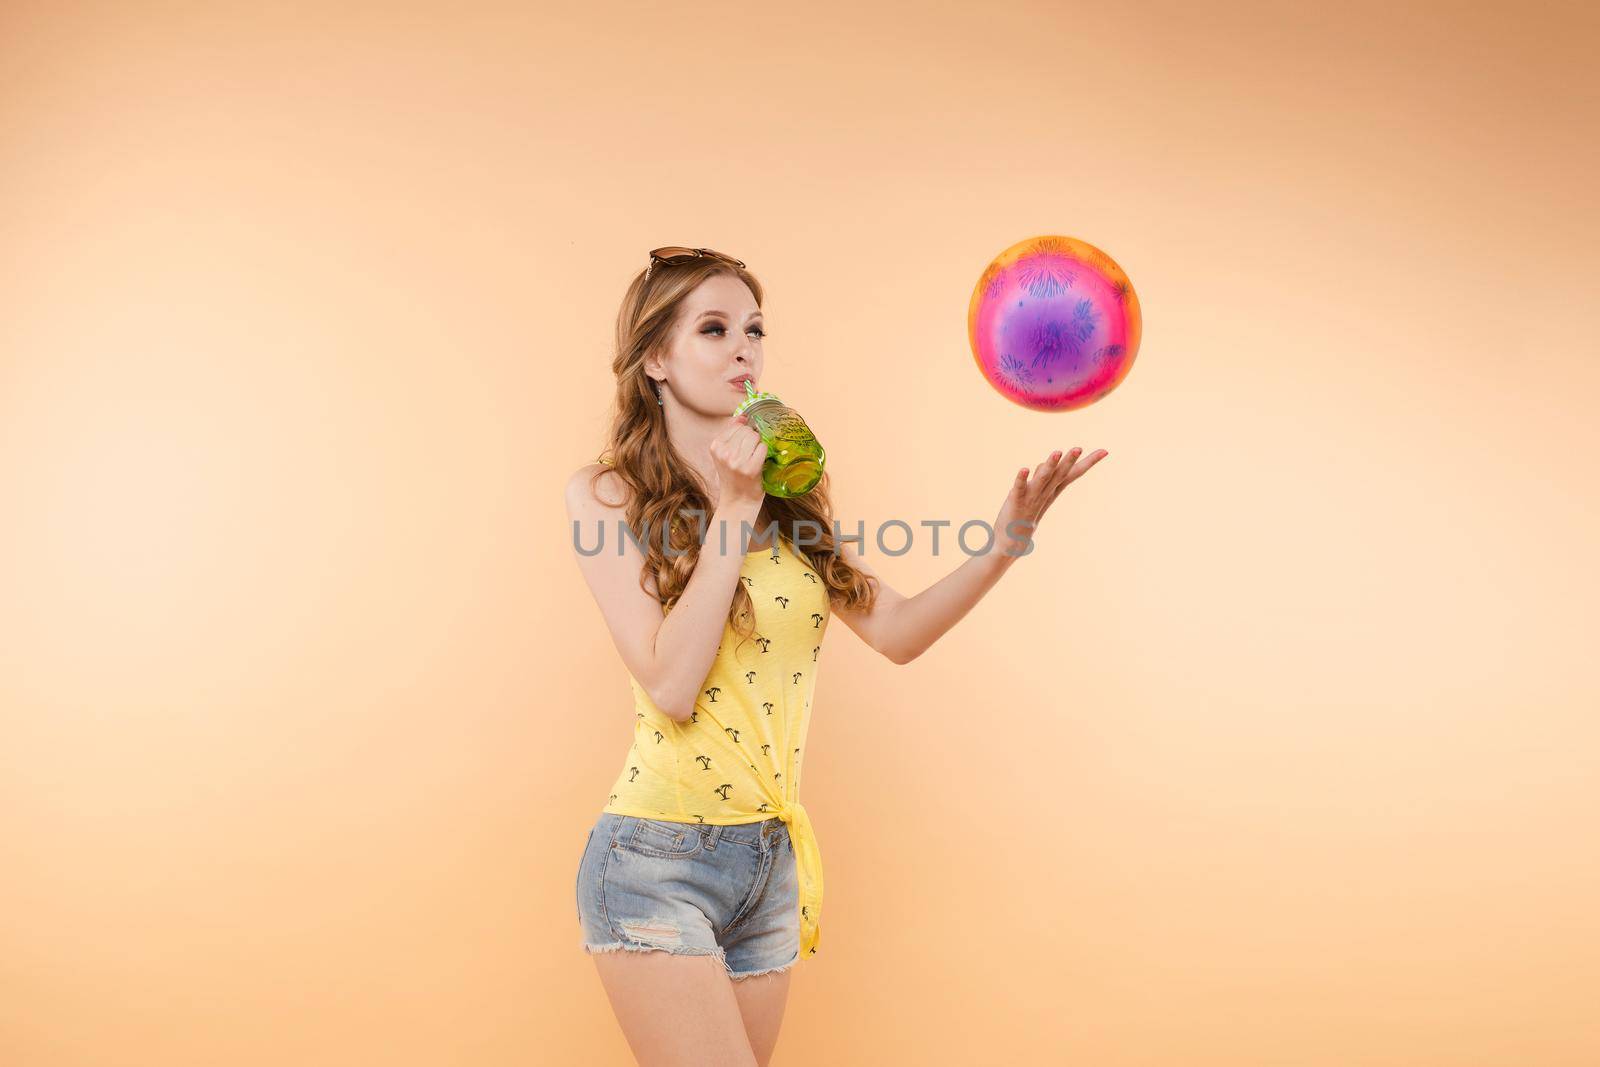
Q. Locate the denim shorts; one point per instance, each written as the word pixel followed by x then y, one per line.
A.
pixel 691 889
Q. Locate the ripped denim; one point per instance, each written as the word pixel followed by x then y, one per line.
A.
pixel 691 889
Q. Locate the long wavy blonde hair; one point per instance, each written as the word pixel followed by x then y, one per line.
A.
pixel 664 492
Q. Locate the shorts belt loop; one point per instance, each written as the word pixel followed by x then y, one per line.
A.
pixel 711 834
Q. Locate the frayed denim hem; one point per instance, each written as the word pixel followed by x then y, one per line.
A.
pixel 676 950
pixel 769 970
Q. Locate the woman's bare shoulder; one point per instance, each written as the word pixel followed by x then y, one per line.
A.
pixel 596 486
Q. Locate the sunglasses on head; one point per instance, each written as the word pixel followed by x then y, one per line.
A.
pixel 673 254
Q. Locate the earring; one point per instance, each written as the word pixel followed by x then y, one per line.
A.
pixel 658 395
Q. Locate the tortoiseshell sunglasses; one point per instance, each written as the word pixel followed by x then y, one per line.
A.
pixel 678 254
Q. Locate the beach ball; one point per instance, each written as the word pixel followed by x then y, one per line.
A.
pixel 1054 323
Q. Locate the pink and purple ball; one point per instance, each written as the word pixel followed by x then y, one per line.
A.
pixel 1054 323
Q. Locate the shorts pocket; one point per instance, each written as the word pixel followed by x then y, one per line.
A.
pixel 657 837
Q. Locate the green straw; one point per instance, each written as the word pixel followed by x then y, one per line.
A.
pixel 752 396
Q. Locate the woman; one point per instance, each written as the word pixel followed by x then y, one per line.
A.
pixel 701 884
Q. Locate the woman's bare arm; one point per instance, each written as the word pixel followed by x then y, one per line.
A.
pixel 902 628
pixel 669 655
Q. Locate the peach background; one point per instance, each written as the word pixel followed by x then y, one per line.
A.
pixel 1282 747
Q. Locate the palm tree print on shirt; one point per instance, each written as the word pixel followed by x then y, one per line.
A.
pixel 726 761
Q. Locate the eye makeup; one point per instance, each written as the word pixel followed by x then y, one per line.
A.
pixel 760 332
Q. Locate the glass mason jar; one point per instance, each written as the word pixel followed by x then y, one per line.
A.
pixel 794 456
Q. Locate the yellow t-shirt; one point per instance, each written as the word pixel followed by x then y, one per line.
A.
pixel 737 759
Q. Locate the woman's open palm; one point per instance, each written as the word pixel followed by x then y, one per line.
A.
pixel 1031 497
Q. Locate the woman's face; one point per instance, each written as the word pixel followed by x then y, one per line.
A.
pixel 716 339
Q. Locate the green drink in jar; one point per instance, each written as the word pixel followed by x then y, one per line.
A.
pixel 794 456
